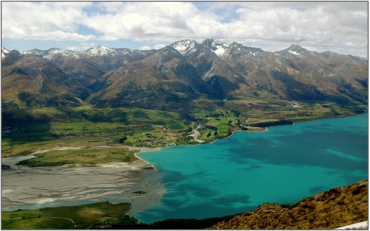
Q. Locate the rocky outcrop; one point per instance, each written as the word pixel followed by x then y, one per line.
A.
pixel 327 210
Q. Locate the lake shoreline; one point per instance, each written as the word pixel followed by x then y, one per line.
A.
pixel 241 130
pixel 188 160
pixel 145 149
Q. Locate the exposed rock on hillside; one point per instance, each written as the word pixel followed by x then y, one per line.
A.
pixel 32 81
pixel 327 210
pixel 174 76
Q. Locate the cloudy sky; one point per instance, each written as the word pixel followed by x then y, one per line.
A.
pixel 341 27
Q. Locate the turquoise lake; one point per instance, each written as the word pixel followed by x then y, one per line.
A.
pixel 237 174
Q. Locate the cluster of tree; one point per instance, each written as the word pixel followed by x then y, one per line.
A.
pixel 273 123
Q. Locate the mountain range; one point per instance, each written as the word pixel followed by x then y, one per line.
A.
pixel 174 77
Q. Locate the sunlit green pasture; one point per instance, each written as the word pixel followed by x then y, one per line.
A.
pixel 27 131
pixel 83 216
pixel 36 223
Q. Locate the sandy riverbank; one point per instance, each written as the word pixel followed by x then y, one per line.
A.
pixel 25 188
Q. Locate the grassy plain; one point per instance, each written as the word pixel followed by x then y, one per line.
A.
pixel 85 157
pixel 26 131
pixel 82 217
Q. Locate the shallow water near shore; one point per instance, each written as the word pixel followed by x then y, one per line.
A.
pixel 237 174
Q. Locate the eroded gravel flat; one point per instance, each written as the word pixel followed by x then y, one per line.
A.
pixel 28 188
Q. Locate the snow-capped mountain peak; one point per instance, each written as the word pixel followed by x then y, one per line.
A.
pixel 49 54
pixel 185 47
pixel 3 52
pixel 295 49
pixel 56 51
pixel 101 50
pixel 298 50
pixel 34 52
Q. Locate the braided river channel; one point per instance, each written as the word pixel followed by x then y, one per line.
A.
pixel 239 173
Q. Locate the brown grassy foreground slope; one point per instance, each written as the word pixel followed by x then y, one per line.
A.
pixel 327 210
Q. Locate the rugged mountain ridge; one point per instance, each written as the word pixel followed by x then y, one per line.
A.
pixel 187 70
pixel 167 79
pixel 32 81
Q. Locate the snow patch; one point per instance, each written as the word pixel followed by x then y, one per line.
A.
pixel 57 51
pixel 33 52
pixel 101 50
pixel 3 50
pixel 293 52
pixel 185 47
pixel 123 51
pixel 219 48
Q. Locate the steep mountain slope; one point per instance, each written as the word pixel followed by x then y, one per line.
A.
pixel 340 78
pixel 108 59
pixel 32 81
pixel 297 73
pixel 294 73
pixel 187 70
pixel 327 210
pixel 74 65
pixel 264 72
pixel 88 66
pixel 163 80
pixel 206 58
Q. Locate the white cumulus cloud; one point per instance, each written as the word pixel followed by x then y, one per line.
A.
pixel 159 46
pixel 337 26
pixel 144 48
pixel 43 20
